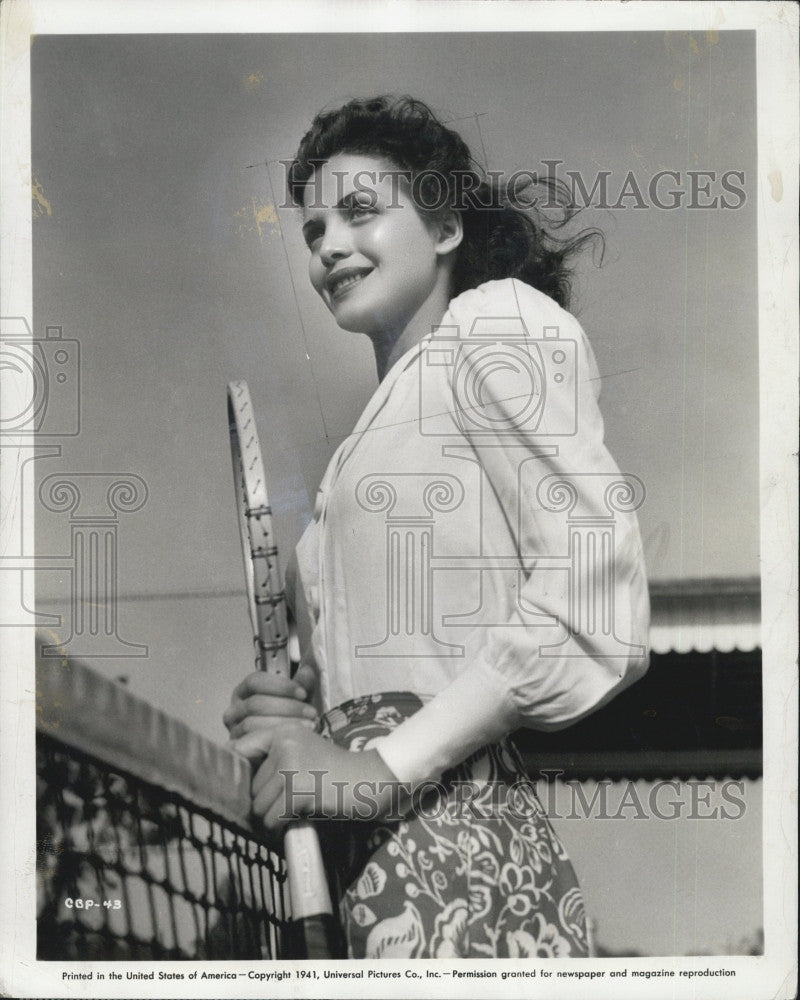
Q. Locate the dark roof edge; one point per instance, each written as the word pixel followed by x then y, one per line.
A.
pixel 650 765
pixel 706 586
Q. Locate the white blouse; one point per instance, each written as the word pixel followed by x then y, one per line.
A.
pixel 473 540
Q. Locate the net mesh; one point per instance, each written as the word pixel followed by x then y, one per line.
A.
pixel 131 868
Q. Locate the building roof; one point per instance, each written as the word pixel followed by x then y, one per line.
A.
pixel 705 615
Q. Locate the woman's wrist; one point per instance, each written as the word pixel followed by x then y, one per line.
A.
pixel 473 710
pixel 377 793
pixel 357 785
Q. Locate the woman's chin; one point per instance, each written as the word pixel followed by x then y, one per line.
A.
pixel 351 325
pixel 353 320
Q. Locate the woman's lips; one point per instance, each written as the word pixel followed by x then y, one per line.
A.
pixel 340 284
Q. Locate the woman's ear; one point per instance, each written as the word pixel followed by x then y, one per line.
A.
pixel 449 231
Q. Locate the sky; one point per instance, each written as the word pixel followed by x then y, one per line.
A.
pixel 161 248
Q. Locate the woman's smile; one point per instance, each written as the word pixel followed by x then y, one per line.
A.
pixel 343 280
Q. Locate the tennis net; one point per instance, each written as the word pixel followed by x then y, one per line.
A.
pixel 144 845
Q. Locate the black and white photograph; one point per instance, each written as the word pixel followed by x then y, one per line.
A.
pixel 398 574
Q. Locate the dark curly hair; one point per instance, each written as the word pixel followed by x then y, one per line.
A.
pixel 501 238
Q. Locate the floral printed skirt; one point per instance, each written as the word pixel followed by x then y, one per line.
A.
pixel 473 871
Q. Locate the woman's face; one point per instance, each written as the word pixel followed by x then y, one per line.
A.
pixel 373 260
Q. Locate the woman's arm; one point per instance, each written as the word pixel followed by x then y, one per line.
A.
pixel 519 677
pixel 297 771
pixel 303 773
pixel 543 676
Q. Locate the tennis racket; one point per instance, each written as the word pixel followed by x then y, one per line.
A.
pixel 313 930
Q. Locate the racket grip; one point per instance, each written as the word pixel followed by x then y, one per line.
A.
pixel 313 931
pixel 317 937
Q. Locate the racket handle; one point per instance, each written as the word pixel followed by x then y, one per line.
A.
pixel 313 938
pixel 313 931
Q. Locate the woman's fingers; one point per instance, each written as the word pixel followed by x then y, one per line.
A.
pixel 261 682
pixel 306 677
pixel 254 745
pixel 253 723
pixel 282 788
pixel 277 816
pixel 271 697
pixel 267 705
pixel 264 779
pixel 270 804
pixel 269 790
pixel 256 735
pixel 267 695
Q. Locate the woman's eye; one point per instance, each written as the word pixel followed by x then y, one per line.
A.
pixel 361 207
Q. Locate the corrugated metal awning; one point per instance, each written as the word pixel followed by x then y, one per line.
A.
pixel 705 615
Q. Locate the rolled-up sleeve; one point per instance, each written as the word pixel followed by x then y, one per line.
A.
pixel 577 634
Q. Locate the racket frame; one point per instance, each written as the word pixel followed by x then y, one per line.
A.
pixel 308 885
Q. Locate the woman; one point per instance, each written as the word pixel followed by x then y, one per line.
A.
pixel 449 589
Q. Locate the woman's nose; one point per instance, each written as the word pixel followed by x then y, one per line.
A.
pixel 335 245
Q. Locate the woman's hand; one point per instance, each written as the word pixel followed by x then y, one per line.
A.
pixel 305 773
pixel 263 701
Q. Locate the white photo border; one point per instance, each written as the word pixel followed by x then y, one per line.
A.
pixel 775 24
